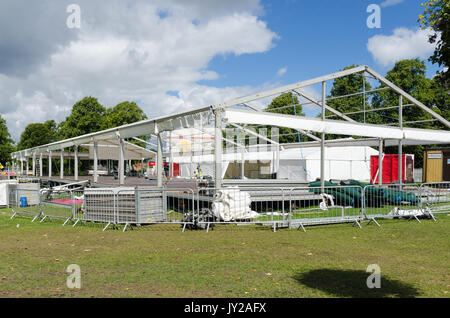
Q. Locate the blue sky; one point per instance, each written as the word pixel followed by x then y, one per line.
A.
pixel 315 39
pixel 176 55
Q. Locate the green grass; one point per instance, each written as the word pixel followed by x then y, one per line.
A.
pixel 230 261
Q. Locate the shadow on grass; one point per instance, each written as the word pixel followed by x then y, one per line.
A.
pixel 352 283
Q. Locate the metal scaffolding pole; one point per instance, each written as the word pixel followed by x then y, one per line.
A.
pixel 218 149
pixel 95 161
pixel 49 164
pixel 159 161
pixel 400 142
pixel 40 165
pixel 34 164
pixel 75 163
pixel 121 162
pixel 242 148
pixel 322 143
pixel 380 162
pixel 170 156
pixel 61 164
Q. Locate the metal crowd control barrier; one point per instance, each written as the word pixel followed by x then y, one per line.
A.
pixel 180 207
pixel 393 201
pixel 99 205
pixel 25 202
pixel 248 206
pixel 150 205
pixel 335 204
pixel 58 204
pixel 275 207
pixel 137 206
pixel 435 197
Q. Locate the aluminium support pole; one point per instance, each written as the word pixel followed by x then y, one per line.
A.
pixel 121 164
pixel 75 163
pixel 380 162
pixel 34 164
pixel 159 161
pixel 49 164
pixel 147 165
pixel 218 149
pixel 170 156
pixel 40 165
pixel 242 141
pixel 95 161
pixel 28 166
pixel 400 142
pixel 21 167
pixel 322 143
pixel 61 164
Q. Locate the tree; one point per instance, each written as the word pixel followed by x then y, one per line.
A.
pixel 122 114
pixel 409 75
pixel 87 116
pixel 37 134
pixel 6 143
pixel 437 17
pixel 441 101
pixel 351 84
pixel 284 104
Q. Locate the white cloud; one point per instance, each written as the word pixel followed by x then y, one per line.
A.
pixel 141 58
pixel 388 3
pixel 282 71
pixel 402 44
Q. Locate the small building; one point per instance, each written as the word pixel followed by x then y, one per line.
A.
pixel 436 165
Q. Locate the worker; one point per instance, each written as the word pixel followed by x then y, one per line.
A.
pixel 198 172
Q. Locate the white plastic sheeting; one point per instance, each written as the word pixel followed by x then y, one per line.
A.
pixel 231 204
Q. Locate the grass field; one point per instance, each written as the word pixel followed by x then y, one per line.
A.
pixel 230 261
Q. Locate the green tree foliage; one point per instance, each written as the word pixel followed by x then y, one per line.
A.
pixel 437 17
pixel 87 116
pixel 409 75
pixel 351 84
pixel 122 114
pixel 37 134
pixel 6 143
pixel 284 104
pixel 441 101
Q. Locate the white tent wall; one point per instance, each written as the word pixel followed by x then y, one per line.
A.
pixel 206 162
pixel 292 170
pixel 340 163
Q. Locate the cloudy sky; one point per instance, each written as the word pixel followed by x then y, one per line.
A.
pixel 174 55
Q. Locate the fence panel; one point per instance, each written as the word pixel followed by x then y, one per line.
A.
pixel 435 196
pixel 252 205
pixel 179 206
pixel 393 201
pixel 99 205
pixel 25 201
pixel 335 204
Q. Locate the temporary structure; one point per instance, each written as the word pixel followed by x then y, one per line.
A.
pixel 302 164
